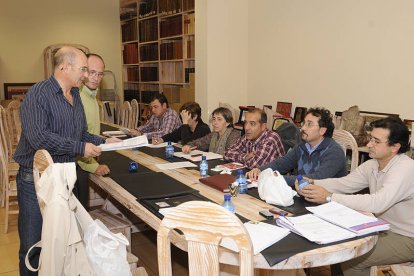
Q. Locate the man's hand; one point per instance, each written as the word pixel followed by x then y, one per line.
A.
pixel 157 140
pixel 249 155
pixel 102 170
pixel 185 116
pixel 112 140
pixel 254 174
pixel 91 150
pixel 135 132
pixel 313 193
pixel 187 149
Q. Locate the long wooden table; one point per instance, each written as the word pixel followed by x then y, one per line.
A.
pixel 246 206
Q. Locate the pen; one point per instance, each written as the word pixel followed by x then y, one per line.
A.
pixel 286 220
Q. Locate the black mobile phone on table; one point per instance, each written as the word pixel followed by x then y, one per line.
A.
pixel 266 214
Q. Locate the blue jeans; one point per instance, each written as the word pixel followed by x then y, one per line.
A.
pixel 30 219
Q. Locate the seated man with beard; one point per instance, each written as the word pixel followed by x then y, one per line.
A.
pixel 318 156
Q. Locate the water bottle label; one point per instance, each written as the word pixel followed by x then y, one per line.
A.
pixel 303 184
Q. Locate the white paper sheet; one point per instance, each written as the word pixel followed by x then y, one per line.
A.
pixel 175 165
pixel 134 142
pixel 195 155
pixel 261 234
pixel 161 145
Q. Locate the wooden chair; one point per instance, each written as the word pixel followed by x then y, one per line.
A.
pixel 393 270
pixel 8 189
pixel 347 141
pixel 125 115
pixel 134 114
pixel 144 113
pixel 42 160
pixel 203 224
pixel 13 124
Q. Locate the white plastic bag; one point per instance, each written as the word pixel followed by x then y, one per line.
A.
pixel 273 188
pixel 106 251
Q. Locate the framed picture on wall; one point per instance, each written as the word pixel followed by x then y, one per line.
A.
pixel 16 90
pixel 299 114
pixel 284 108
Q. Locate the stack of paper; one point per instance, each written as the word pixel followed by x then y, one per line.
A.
pixel 261 234
pixel 195 155
pixel 332 222
pixel 350 219
pixel 134 142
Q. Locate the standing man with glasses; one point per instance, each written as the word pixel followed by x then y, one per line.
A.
pixel 389 175
pixel 88 93
pixel 317 156
pixel 52 118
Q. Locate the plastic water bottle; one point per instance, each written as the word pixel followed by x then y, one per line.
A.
pixel 169 151
pixel 203 167
pixel 241 179
pixel 301 182
pixel 228 204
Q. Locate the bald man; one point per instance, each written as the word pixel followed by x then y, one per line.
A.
pixel 52 118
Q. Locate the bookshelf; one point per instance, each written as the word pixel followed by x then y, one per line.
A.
pixel 158 40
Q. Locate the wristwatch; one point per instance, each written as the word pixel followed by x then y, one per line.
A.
pixel 329 198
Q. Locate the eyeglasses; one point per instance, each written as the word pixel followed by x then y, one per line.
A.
pixel 308 124
pixel 84 69
pixel 94 73
pixel 376 141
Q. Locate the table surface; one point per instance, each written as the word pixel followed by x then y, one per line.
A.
pixel 246 206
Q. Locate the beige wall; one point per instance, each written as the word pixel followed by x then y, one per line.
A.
pixel 321 52
pixel 221 53
pixel 333 53
pixel 27 27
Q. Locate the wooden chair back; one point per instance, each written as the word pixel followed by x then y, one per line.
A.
pixel 125 115
pixel 42 160
pixel 347 141
pixel 144 113
pixel 4 132
pixel 134 114
pixel 13 123
pixel 101 111
pixel 203 224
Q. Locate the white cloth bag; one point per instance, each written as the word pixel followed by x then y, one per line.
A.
pixel 273 188
pixel 106 251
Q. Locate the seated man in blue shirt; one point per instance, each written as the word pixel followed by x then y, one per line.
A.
pixel 318 156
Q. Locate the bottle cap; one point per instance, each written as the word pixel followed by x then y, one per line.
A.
pixel 203 157
pixel 239 171
pixel 227 196
pixel 169 143
pixel 299 177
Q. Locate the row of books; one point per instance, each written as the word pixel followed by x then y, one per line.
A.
pixel 172 49
pixel 189 23
pixel 149 73
pixel 148 52
pixel 130 53
pixel 129 30
pixel 131 91
pixel 171 26
pixel 167 7
pixel 128 12
pixel 188 71
pixel 147 8
pixel 148 30
pixel 190 42
pixel 133 73
pixel 332 222
pixel 188 5
pixel 171 72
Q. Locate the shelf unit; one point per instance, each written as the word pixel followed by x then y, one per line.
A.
pixel 158 40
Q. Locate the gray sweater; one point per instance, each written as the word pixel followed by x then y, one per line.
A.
pixel 327 161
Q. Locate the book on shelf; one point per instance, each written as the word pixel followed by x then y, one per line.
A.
pixel 171 26
pixel 148 30
pixel 147 8
pixel 168 7
pixel 332 222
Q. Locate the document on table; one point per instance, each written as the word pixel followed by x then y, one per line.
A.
pixel 134 142
pixel 348 218
pixel 114 133
pixel 315 229
pixel 161 145
pixel 261 234
pixel 195 155
pixel 175 165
